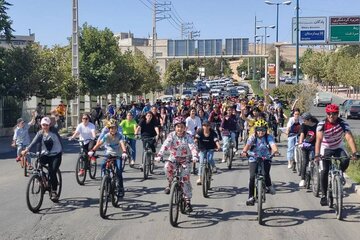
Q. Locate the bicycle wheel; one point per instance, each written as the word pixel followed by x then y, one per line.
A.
pixel 315 180
pixel 34 193
pixel 146 165
pixel 80 164
pixel 338 195
pixel 230 157
pixel 59 187
pixel 92 169
pixel 330 194
pixel 260 192
pixel 104 195
pixel 152 164
pixel 114 193
pixel 205 182
pixel 300 161
pixel 174 204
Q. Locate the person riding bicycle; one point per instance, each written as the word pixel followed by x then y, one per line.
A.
pixel 207 141
pixel 149 130
pixel 129 126
pixel 182 148
pixel 113 141
pixel 293 131
pixel 228 128
pixel 330 133
pixel 86 131
pixel 262 145
pixel 21 137
pixel 192 122
pixel 215 120
pixel 49 141
pixel 307 141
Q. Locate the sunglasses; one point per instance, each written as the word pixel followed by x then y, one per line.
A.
pixel 85 118
pixel 261 129
pixel 332 114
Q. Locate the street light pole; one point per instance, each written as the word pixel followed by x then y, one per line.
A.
pixel 297 41
pixel 277 14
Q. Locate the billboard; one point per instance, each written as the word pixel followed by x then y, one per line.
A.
pixel 209 47
pixel 181 47
pixel 344 29
pixel 237 46
pixel 311 30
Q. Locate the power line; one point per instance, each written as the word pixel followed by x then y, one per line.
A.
pixel 177 13
pixel 145 4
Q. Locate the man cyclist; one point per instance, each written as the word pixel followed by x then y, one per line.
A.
pixel 330 133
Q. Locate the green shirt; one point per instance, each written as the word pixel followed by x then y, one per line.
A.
pixel 128 128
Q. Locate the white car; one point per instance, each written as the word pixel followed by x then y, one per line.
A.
pixel 322 98
pixel 166 98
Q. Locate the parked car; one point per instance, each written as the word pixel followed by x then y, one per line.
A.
pixel 233 92
pixel 282 78
pixel 186 94
pixel 350 108
pixel 289 80
pixel 166 98
pixel 322 98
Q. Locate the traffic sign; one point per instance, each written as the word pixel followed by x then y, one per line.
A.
pixel 344 29
pixel 311 30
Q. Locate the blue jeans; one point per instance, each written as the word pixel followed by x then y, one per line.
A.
pixel 226 141
pixel 118 167
pixel 132 143
pixel 210 157
pixel 290 148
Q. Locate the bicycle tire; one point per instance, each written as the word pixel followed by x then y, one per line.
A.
pixel 315 181
pixel 34 187
pixel 92 169
pixel 230 158
pixel 114 193
pixel 260 190
pixel 174 204
pixel 300 160
pixel 330 194
pixel 80 163
pixel 104 196
pixel 59 187
pixel 204 180
pixel 338 194
pixel 146 165
pixel 152 164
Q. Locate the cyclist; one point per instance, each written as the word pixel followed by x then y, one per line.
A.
pixel 97 114
pixel 21 137
pixel 307 141
pixel 129 126
pixel 228 128
pixel 262 145
pixel 207 141
pixel 292 131
pixel 215 120
pixel 192 122
pixel 181 147
pixel 113 141
pixel 86 131
pixel 330 133
pixel 149 130
pixel 51 148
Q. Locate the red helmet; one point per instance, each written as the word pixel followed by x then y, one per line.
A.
pixel 332 108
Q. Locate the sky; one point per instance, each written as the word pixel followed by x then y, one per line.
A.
pixel 50 20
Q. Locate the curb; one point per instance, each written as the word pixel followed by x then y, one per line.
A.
pixel 351 185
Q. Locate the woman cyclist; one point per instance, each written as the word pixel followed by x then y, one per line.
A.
pixel 262 145
pixel 86 131
pixel 228 128
pixel 182 148
pixel 51 151
pixel 129 126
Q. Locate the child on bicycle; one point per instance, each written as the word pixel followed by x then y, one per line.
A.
pixel 21 137
pixel 261 144
pixel 113 141
pixel 181 147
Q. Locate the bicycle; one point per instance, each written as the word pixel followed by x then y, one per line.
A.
pixel 129 152
pixel 335 186
pixel 312 177
pixel 148 165
pixel 298 158
pixel 207 175
pixel 177 196
pixel 109 186
pixel 229 153
pixel 39 183
pixel 260 188
pixel 83 162
pixel 25 163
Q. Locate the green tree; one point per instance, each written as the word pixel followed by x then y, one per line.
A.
pixel 5 20
pixel 174 75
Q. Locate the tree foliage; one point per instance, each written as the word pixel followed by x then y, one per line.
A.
pixel 5 20
pixel 174 75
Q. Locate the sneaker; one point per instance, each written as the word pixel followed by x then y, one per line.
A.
pixel 271 190
pixel 132 163
pixel 343 180
pixel 81 172
pixel 302 183
pixel 167 190
pixel 323 201
pixel 289 165
pixel 53 195
pixel 121 192
pixel 223 160
pixel 214 169
pixel 234 150
pixel 198 182
pixel 250 201
pixel 188 207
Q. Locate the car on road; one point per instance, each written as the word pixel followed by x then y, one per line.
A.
pixel 350 108
pixel 289 80
pixel 166 98
pixel 282 78
pixel 322 98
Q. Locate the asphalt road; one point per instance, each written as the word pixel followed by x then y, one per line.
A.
pixel 292 213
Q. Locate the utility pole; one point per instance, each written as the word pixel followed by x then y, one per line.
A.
pixel 185 29
pixel 158 9
pixel 75 61
pixel 194 34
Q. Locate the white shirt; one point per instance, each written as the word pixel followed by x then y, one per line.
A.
pixel 192 123
pixel 86 132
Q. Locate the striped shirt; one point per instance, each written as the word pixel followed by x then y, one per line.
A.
pixel 333 134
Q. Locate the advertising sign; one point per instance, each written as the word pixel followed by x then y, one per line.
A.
pixel 344 29
pixel 311 30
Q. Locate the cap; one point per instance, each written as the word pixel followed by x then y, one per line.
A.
pixel 45 120
pixel 19 120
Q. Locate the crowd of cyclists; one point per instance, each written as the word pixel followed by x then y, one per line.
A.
pixel 192 129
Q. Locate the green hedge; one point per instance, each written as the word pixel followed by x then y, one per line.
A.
pixel 255 85
pixel 354 168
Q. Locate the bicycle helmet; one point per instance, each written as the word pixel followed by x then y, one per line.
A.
pixel 178 120
pixel 332 108
pixel 111 123
pixel 307 116
pixel 260 123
